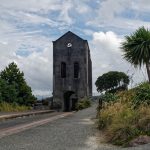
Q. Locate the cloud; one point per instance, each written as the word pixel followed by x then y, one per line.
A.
pixel 37 11
pixel 141 5
pixel 64 14
pixel 38 70
pixel 31 5
pixel 108 40
pixel 112 14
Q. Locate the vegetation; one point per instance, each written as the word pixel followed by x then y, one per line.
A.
pixel 83 103
pixel 13 107
pixel 136 48
pixel 142 95
pixel 13 87
pixel 112 81
pixel 126 116
pixel 108 97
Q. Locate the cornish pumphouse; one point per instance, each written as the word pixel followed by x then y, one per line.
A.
pixel 72 70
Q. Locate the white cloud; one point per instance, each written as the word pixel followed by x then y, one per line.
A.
pixel 109 14
pixel 31 5
pixel 64 14
pixel 141 5
pixel 82 7
pixel 37 11
pixel 38 70
pixel 107 40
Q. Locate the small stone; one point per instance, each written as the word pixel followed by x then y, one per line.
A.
pixel 143 139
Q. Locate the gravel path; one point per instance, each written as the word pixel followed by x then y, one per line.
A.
pixel 75 132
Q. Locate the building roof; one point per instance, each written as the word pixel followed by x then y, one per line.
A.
pixel 69 33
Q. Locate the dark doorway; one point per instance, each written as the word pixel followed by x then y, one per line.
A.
pixel 67 95
pixel 74 102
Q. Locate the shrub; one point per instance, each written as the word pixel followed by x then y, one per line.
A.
pixel 144 119
pixel 121 127
pixel 83 103
pixel 142 94
pixel 121 120
pixel 108 97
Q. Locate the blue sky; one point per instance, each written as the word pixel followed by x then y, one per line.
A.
pixel 28 27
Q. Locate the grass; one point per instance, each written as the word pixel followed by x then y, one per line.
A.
pixel 7 107
pixel 121 121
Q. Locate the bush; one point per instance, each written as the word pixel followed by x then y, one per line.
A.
pixel 108 97
pixel 83 103
pixel 142 94
pixel 121 120
pixel 105 98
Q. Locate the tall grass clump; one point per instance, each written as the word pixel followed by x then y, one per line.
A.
pixel 13 107
pixel 127 117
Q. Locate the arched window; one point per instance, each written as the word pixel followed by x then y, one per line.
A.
pixel 63 70
pixel 76 70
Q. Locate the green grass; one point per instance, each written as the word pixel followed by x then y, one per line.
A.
pixel 7 107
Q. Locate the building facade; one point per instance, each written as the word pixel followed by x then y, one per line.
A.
pixel 72 70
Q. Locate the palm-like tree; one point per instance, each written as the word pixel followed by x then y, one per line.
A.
pixel 136 48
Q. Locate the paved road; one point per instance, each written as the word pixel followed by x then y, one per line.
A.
pixel 74 132
pixel 26 119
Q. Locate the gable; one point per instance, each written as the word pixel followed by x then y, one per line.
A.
pixel 69 36
pixel 71 41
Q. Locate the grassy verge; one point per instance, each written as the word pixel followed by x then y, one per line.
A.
pixel 6 107
pixel 126 117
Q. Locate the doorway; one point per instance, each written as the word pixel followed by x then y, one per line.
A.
pixel 74 102
pixel 67 101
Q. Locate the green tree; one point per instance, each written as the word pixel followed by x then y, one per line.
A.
pixel 12 74
pixel 136 48
pixel 15 81
pixel 8 92
pixel 112 81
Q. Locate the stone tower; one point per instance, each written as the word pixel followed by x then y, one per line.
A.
pixel 72 70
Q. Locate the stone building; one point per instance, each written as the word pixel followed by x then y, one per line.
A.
pixel 72 70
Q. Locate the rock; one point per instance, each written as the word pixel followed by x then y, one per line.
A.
pixel 143 139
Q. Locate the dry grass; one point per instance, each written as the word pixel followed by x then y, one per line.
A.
pixel 121 122
pixel 6 107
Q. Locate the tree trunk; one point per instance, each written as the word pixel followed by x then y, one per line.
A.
pixel 148 71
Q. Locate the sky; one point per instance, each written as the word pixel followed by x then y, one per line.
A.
pixel 28 27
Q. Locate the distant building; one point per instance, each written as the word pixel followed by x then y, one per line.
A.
pixel 72 70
